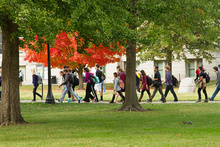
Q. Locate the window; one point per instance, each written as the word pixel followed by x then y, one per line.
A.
pixel 191 67
pixel 161 65
pixel 40 70
pixel 0 43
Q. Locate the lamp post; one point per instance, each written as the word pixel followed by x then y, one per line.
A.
pixel 50 98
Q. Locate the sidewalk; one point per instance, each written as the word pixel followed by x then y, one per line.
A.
pixel 106 102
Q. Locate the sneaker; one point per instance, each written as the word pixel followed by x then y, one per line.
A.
pixel 199 100
pixel 68 101
pixel 175 100
pixel 149 101
pixel 164 101
pixel 79 101
pixel 93 99
pixel 206 101
pixel 111 102
pixel 211 99
pixel 33 100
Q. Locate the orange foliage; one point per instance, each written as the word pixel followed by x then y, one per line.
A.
pixel 65 53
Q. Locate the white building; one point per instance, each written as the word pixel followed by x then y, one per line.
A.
pixel 180 69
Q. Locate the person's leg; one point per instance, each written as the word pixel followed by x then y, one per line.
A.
pixel 64 93
pixel 205 93
pixel 38 93
pixel 94 92
pixel 69 95
pixel 167 90
pixel 73 93
pixel 138 87
pixel 154 93
pixel 142 94
pixel 148 91
pixel 113 98
pixel 120 93
pixel 199 93
pixel 103 86
pixel 174 94
pixel 73 99
pixel 34 94
pixel 215 93
pixel 161 93
pixel 116 98
pixel 88 91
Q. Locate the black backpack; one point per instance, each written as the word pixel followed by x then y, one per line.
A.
pixel 174 81
pixel 207 78
pixel 103 77
pixel 75 81
pixel 149 81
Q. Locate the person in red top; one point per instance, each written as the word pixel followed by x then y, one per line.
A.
pixel 122 77
pixel 197 73
pixel 145 86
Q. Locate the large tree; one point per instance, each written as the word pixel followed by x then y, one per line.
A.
pixel 66 52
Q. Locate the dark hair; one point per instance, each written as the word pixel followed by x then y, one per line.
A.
pixel 69 70
pixel 156 67
pixel 215 68
pixel 86 69
pixel 121 70
pixel 65 70
pixel 201 68
pixel 115 74
pixel 118 67
pixel 143 72
pixel 64 66
pixel 61 71
pixel 97 65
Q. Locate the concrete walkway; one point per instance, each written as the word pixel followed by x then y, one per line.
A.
pixel 106 102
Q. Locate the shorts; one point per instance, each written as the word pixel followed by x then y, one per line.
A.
pixel 98 87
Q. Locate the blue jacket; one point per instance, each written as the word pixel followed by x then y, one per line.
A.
pixel 34 81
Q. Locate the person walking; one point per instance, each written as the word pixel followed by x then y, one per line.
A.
pixel 103 82
pixel 157 85
pixel 145 86
pixel 89 86
pixel 202 85
pixel 216 70
pixel 137 81
pixel 117 89
pixel 169 83
pixel 35 83
pixel 122 76
pixel 68 87
pixel 98 87
pixel 20 77
pixel 197 73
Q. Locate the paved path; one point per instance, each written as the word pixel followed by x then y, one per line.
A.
pixel 106 102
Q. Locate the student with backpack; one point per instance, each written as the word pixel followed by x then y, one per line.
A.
pixel 35 82
pixel 169 83
pixel 74 83
pixel 216 70
pixel 89 78
pixel 98 87
pixel 202 84
pixel 68 87
pixel 138 77
pixel 145 85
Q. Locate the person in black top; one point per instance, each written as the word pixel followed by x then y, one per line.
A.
pixel 158 85
pixel 202 85
pixel 98 87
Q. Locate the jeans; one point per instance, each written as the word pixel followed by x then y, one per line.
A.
pixel 204 91
pixel 216 92
pixel 103 84
pixel 35 93
pixel 138 87
pixel 155 91
pixel 170 88
pixel 65 90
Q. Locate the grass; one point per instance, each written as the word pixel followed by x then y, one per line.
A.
pixel 26 93
pixel 75 124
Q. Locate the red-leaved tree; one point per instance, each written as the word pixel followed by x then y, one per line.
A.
pixel 69 50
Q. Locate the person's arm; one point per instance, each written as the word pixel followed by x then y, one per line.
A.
pixel 218 79
pixel 115 84
pixel 66 80
pixel 200 79
pixel 35 80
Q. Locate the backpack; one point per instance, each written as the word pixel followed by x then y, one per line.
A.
pixel 103 77
pixel 94 79
pixel 71 78
pixel 121 84
pixel 149 81
pixel 39 79
pixel 207 78
pixel 174 81
pixel 75 80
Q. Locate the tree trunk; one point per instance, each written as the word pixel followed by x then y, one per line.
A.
pixel 80 74
pixel 10 101
pixel 131 100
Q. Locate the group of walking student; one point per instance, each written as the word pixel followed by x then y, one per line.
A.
pixel 143 82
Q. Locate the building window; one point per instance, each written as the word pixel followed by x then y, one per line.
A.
pixel 40 70
pixel 0 43
pixel 191 67
pixel 161 65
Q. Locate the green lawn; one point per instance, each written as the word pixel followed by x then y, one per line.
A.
pixel 26 93
pixel 72 124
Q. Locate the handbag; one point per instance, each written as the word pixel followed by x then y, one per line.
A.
pixel 156 83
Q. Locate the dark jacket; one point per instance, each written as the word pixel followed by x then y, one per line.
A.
pixel 99 75
pixel 34 81
pixel 67 81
